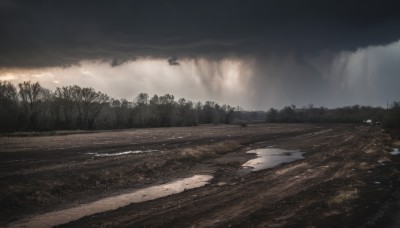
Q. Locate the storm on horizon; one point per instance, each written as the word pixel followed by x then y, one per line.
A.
pixel 255 54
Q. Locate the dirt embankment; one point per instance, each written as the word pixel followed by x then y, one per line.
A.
pixel 347 178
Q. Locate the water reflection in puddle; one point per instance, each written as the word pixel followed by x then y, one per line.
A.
pixel 270 157
pixel 395 151
pixel 111 203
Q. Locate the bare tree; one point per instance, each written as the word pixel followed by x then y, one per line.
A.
pixel 167 110
pixel 90 106
pixel 8 107
pixel 121 112
pixel 30 95
pixel 142 110
pixel 66 105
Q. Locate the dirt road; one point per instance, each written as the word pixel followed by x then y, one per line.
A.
pixel 347 178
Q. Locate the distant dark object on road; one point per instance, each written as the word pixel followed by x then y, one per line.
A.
pixel 242 123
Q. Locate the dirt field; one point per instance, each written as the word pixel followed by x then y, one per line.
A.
pixel 348 178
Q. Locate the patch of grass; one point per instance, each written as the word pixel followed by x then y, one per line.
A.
pixel 210 150
pixel 344 196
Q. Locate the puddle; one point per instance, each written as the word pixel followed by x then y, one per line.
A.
pixel 120 153
pixel 270 157
pixel 395 151
pixel 111 203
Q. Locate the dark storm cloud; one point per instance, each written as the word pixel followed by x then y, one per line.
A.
pixel 61 33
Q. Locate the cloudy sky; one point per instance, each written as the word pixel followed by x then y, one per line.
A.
pixel 256 54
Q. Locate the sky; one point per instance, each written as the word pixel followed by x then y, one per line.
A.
pixel 253 54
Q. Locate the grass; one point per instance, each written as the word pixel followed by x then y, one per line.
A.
pixel 210 150
pixel 396 143
pixel 344 196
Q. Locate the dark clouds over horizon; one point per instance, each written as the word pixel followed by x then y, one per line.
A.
pixel 62 33
pixel 255 54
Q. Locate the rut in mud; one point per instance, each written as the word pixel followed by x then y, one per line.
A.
pixel 113 202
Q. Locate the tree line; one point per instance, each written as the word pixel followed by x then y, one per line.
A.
pixel 389 118
pixel 29 107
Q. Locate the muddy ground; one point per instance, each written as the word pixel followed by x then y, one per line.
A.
pixel 348 178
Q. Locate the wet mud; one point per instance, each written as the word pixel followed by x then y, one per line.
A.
pixel 345 177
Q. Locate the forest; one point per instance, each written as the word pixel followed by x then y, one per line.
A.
pixel 349 114
pixel 30 107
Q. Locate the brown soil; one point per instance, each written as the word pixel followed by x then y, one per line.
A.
pixel 348 178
